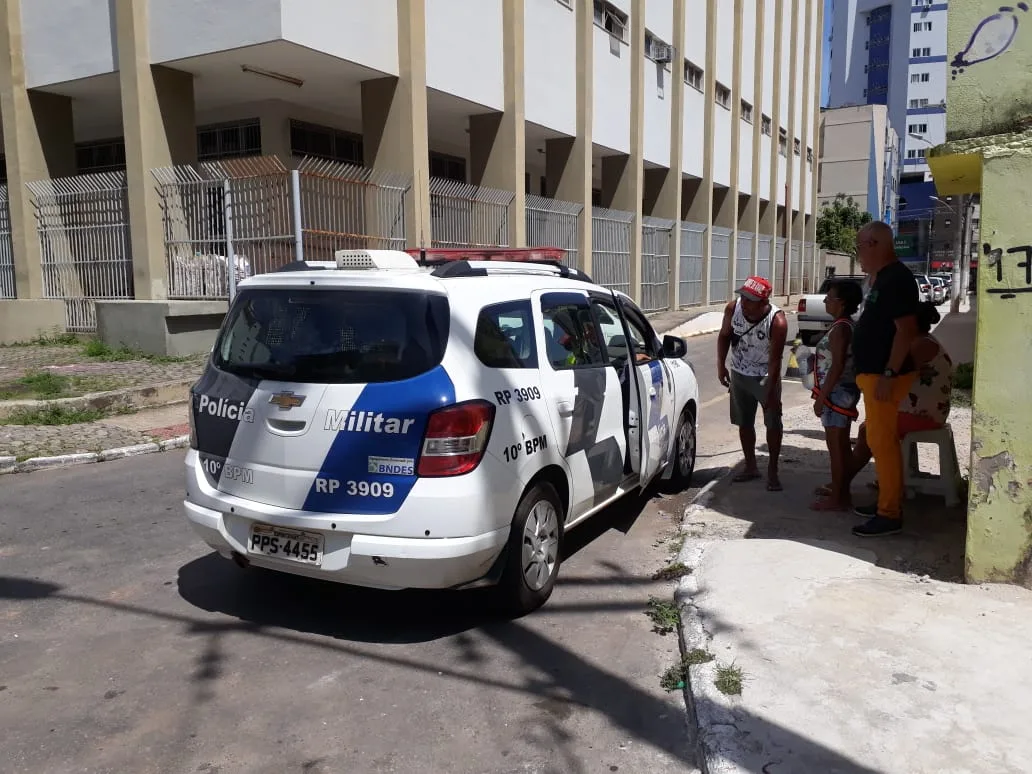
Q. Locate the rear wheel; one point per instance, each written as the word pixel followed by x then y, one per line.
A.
pixel 533 559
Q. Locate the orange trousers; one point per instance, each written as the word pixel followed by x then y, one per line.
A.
pixel 883 438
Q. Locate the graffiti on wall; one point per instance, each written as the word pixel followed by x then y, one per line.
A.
pixel 994 257
pixel 991 37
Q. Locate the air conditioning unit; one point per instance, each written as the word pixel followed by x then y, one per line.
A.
pixel 662 53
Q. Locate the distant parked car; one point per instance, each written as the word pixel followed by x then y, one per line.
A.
pixel 924 287
pixel 938 289
pixel 814 320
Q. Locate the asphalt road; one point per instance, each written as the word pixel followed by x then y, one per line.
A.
pixel 127 646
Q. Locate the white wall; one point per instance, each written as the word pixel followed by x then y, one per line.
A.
pixel 695 35
pixel 658 101
pixel 357 30
pixel 765 146
pixel 694 107
pixel 67 39
pixel 659 19
pixel 550 65
pixel 185 28
pixel 770 67
pixel 725 41
pixel 612 89
pixel 786 64
pixel 745 160
pixel 464 50
pixel 722 146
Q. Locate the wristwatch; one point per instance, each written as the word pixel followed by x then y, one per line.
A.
pixel 889 373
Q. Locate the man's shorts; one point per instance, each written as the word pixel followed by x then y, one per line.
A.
pixel 748 392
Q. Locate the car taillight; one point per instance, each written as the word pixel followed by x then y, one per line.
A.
pixel 802 305
pixel 456 438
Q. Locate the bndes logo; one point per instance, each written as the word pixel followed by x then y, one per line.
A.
pixel 234 410
pixel 392 466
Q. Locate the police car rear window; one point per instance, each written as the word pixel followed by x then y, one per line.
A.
pixel 333 336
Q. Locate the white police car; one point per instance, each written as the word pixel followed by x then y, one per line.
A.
pixel 382 423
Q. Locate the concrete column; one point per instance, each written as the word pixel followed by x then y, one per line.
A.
pixel 623 178
pixel 39 143
pixel 568 160
pixel 706 206
pixel 394 121
pixel 274 119
pixel 793 127
pixel 799 235
pixel 663 187
pixel 811 228
pixel 498 141
pixel 769 221
pixel 750 219
pixel 736 138
pixel 160 131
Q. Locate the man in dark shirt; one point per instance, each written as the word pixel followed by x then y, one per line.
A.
pixel 881 347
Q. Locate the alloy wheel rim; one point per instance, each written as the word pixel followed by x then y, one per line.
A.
pixel 685 447
pixel 540 545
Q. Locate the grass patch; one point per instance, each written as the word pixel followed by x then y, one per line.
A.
pixel 964 376
pixel 676 677
pixel 46 385
pixel 664 615
pixel 52 339
pixel 729 679
pixel 52 414
pixel 99 350
pixel 672 572
pixel 961 398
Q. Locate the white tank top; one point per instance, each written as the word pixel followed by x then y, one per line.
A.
pixel 752 355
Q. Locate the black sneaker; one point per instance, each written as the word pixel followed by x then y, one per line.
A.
pixel 879 526
pixel 867 511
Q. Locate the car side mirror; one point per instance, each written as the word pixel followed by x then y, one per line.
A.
pixel 674 347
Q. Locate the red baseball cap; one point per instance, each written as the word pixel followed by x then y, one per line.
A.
pixel 756 289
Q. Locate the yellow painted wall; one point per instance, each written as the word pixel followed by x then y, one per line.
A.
pixel 999 542
pixel 990 56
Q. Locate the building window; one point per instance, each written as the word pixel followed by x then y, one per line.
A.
pixel 611 19
pixel 693 75
pixel 917 128
pixel 782 142
pixel 447 167
pixel 746 111
pixel 723 95
pixel 765 125
pixel 796 146
pixel 229 140
pixel 920 77
pixel 325 143
pixel 916 154
pixel 809 155
pixel 100 156
pixel 656 49
pixel 918 103
pixel 3 168
pixel 926 52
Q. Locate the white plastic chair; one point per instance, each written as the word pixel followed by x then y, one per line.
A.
pixel 948 482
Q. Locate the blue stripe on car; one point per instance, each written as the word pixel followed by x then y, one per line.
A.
pixel 344 483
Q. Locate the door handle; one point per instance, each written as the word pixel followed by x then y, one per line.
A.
pixel 565 408
pixel 652 392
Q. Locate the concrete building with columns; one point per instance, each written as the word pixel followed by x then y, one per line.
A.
pixel 157 150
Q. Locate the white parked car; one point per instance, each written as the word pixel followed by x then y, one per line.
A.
pixel 385 424
pixel 811 316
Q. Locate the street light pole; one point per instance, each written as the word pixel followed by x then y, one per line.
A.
pixel 959 254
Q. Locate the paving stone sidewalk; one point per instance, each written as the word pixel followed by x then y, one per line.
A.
pixel 72 360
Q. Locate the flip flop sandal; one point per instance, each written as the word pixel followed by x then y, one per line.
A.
pixel 823 491
pixel 741 478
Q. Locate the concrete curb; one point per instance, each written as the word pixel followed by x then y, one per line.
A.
pixel 11 465
pixel 145 396
pixel 709 711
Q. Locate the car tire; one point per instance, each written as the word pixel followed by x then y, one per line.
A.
pixel 685 450
pixel 534 550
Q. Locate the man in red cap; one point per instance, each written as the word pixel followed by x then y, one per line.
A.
pixel 754 330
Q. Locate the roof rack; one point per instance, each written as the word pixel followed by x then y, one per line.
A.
pixel 458 262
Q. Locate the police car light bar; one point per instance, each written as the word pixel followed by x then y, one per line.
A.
pixel 540 255
pixel 375 259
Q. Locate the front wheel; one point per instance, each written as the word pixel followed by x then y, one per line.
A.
pixel 533 559
pixel 683 463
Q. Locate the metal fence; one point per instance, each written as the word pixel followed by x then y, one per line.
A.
pixel 690 273
pixel 763 256
pixel 795 277
pixel 463 215
pixel 807 272
pixel 265 215
pixel 554 223
pixel 743 260
pixel 349 207
pixel 656 242
pixel 720 264
pixel 7 287
pixel 611 248
pixel 780 267
pixel 83 227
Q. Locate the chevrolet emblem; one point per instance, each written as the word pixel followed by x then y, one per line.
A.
pixel 286 400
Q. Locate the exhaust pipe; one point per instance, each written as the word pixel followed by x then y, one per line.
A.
pixel 240 560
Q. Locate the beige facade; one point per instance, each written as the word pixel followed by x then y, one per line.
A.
pixel 397 118
pixel 859 158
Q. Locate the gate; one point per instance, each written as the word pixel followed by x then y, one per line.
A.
pixel 611 248
pixel 795 278
pixel 720 260
pixel 463 215
pixel 83 226
pixel 763 256
pixel 743 261
pixel 690 269
pixel 554 223
pixel 656 239
pixel 7 287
